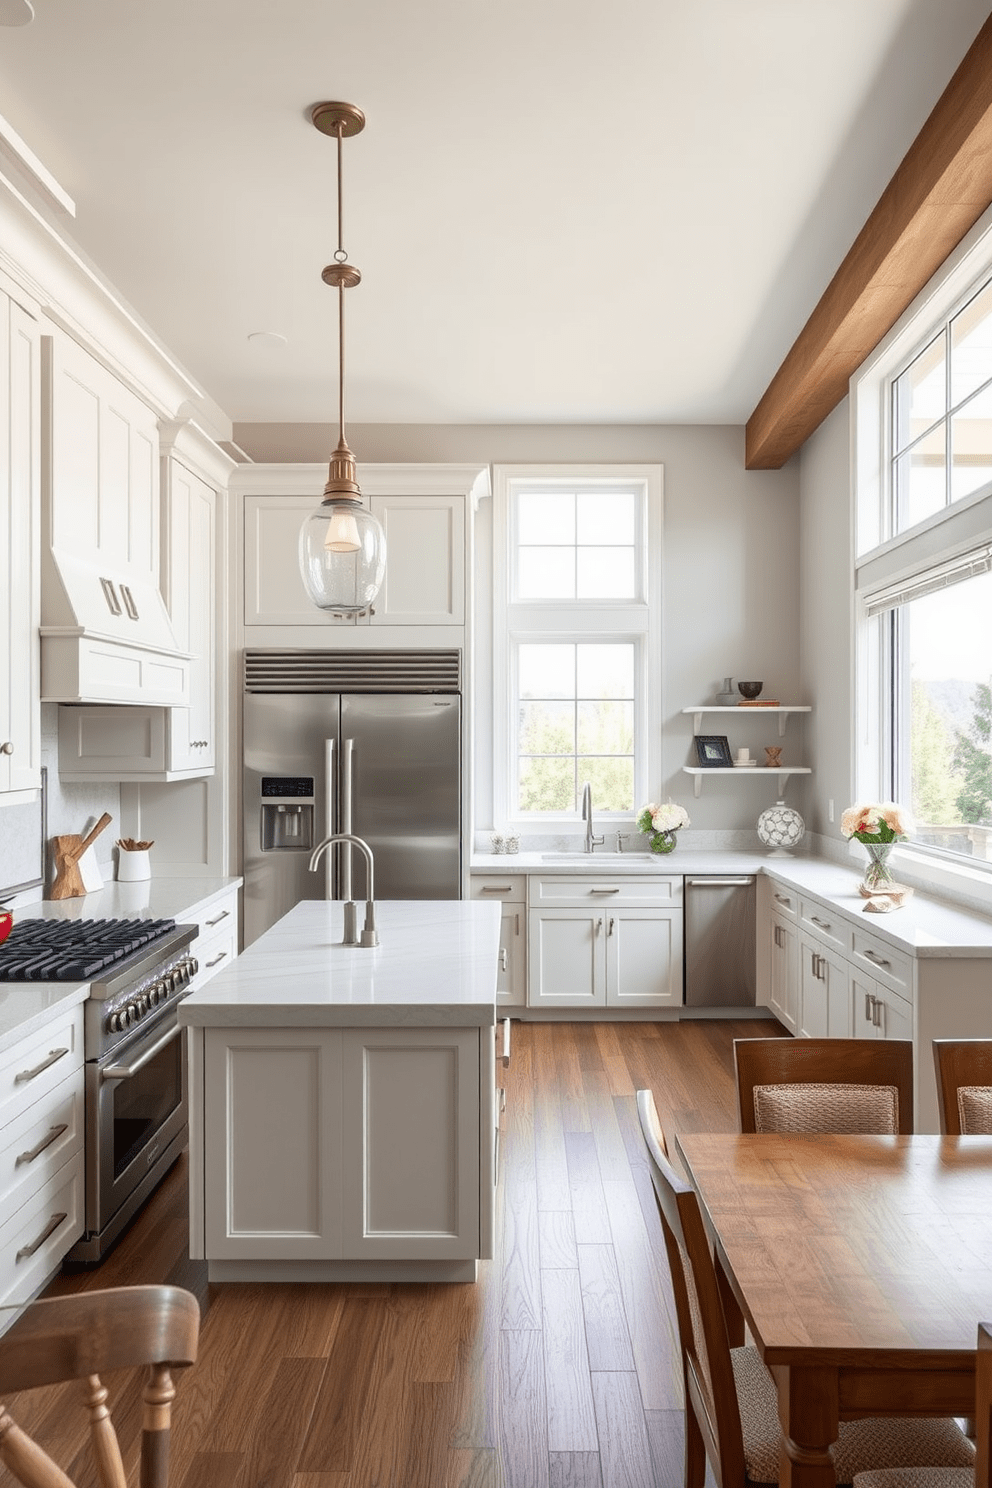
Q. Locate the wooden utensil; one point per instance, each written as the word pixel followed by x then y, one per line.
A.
pixel 68 849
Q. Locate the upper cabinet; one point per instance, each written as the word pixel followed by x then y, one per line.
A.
pixel 423 512
pixel 106 633
pixel 20 517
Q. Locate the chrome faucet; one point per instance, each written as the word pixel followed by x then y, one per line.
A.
pixel 369 935
pixel 591 841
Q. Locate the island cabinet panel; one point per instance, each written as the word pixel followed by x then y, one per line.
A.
pixel 342 1144
pixel 411 1156
pixel 272 1150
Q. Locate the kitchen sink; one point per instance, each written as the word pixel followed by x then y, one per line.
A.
pixel 599 857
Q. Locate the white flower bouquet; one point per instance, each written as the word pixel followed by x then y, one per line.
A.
pixel 660 824
pixel 881 821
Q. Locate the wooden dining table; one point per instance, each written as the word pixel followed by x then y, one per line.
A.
pixel 862 1267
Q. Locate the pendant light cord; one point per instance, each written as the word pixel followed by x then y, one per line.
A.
pixel 340 256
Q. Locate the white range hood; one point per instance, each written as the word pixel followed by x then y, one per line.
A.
pixel 107 638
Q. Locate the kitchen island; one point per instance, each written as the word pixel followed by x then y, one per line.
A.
pixel 342 1099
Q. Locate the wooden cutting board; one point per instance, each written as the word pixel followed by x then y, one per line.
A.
pixel 68 849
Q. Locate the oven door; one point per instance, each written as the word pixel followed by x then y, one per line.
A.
pixel 136 1121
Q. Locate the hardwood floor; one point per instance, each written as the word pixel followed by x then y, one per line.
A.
pixel 557 1370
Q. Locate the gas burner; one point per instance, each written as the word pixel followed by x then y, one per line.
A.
pixel 74 950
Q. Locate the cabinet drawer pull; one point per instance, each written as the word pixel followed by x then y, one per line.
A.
pixel 869 1002
pixel 129 604
pixel 516 923
pixel 52 1135
pixel 612 923
pixel 604 891
pixel 821 924
pixel 110 595
pixel 30 1074
pixel 783 899
pixel 876 960
pixel 778 935
pixel 7 747
pixel 599 925
pixel 217 959
pixel 495 888
pixel 50 1228
pixel 502 959
pixel 505 1052
pixel 876 1012
pixel 222 916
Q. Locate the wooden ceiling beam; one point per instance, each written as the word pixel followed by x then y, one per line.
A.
pixel 940 190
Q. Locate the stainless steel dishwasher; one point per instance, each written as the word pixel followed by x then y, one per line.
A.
pixel 719 941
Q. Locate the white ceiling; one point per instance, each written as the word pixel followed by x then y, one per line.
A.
pixel 563 211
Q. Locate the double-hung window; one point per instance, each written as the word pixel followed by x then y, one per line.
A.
pixel 923 570
pixel 576 641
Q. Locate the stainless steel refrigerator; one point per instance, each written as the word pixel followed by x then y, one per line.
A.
pixel 366 742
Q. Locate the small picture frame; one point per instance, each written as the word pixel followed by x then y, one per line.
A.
pixel 713 751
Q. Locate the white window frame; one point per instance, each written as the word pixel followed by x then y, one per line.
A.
pixel 638 621
pixel 884 562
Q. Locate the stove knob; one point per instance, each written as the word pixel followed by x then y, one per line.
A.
pixel 114 1023
pixel 132 1013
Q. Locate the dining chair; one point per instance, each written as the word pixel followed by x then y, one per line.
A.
pixel 731 1404
pixel 81 1337
pixel 964 1086
pixel 953 1477
pixel 862 1086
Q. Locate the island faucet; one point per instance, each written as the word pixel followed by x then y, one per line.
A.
pixel 369 936
pixel 591 841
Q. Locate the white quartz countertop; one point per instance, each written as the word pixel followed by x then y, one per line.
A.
pixel 27 1006
pixel 924 926
pixel 436 966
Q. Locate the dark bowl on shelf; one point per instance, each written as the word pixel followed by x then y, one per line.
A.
pixel 749 689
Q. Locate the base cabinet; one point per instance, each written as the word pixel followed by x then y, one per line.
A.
pixel 345 1144
pixel 824 991
pixel 605 943
pixel 510 890
pixel 783 971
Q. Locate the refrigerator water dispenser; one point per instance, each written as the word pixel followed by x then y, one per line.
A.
pixel 287 825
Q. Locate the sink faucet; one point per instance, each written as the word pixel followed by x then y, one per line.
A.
pixel 369 935
pixel 591 841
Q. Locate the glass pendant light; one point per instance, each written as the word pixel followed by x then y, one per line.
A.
pixel 342 545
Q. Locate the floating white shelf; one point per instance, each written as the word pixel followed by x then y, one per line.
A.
pixel 742 712
pixel 781 773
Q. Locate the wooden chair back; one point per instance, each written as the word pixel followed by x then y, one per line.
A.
pixel 712 1413
pixel 964 1086
pixel 86 1335
pixel 865 1085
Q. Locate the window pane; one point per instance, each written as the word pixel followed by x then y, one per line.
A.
pixel 921 480
pixel 605 671
pixel 919 394
pixel 971 446
pixel 612 782
pixel 605 518
pixel 947 637
pixel 546 785
pixel 971 346
pixel 605 728
pixel 546 517
pixel 546 671
pixel 546 573
pixel 547 728
pixel 605 573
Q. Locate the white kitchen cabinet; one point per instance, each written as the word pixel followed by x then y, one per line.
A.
pixel 425 562
pixel 41 1153
pixel 878 1011
pixel 824 991
pixel 783 971
pixel 605 942
pixel 20 519
pixel 216 943
pixel 510 890
pixel 331 1144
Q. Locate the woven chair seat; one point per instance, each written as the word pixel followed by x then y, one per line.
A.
pixel 917 1477
pixel 975 1110
pixel 861 1447
pixel 797 1107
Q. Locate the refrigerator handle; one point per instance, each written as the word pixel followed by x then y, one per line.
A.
pixel 329 816
pixel 347 754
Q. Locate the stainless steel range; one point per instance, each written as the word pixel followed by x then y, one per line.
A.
pixel 136 1109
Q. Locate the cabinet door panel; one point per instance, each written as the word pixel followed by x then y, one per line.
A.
pixel 20 520
pixel 566 959
pixel 783 996
pixel 425 543
pixel 411 1148
pixel 272 1160
pixel 643 959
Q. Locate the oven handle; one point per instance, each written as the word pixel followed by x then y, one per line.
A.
pixel 125 1071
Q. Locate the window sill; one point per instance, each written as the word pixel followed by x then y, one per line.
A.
pixel 970 888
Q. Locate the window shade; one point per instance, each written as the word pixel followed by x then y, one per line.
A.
pixel 929 580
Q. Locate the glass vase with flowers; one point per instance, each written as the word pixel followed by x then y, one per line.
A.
pixel 878 826
pixel 660 824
